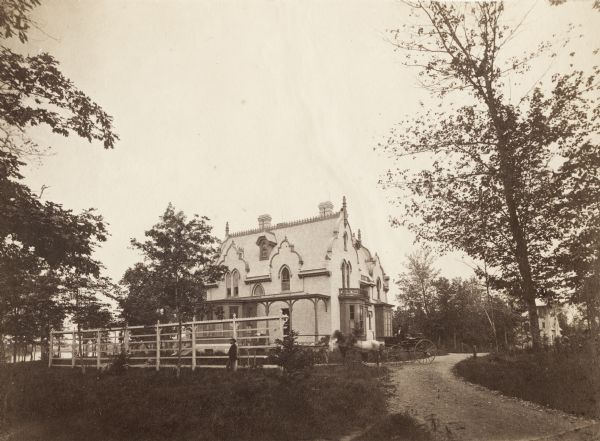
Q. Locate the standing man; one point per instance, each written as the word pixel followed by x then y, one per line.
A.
pixel 233 356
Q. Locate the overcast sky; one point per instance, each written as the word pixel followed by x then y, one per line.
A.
pixel 232 109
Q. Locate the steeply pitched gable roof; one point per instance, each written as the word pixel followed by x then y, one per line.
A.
pixel 310 237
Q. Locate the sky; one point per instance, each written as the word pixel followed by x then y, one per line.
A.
pixel 232 109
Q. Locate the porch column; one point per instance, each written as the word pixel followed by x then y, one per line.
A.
pixel 316 306
pixel 267 308
pixel 290 304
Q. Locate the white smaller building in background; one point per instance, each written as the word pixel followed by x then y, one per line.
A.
pixel 548 321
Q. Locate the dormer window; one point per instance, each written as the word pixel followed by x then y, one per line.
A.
pixel 264 252
pixel 378 288
pixel 266 243
pixel 285 279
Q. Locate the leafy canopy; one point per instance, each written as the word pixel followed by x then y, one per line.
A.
pixel 179 260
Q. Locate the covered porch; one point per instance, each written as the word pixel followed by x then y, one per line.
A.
pixel 245 307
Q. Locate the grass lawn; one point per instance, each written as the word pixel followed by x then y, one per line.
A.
pixel 64 404
pixel 567 381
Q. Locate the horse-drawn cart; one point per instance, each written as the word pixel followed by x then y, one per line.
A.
pixel 416 349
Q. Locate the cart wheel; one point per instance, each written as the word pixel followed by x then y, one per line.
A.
pixel 425 351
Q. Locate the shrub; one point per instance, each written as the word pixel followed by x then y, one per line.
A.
pixel 119 364
pixel 569 383
pixel 292 357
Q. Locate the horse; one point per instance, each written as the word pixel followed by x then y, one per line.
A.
pixel 346 343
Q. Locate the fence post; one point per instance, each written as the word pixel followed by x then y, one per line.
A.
pixel 98 350
pixel 126 339
pixel 73 348
pixel 50 347
pixel 157 345
pixel 234 326
pixel 194 343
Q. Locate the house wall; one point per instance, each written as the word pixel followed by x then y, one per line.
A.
pixel 548 323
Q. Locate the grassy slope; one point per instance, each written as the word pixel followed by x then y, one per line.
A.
pixel 62 404
pixel 569 382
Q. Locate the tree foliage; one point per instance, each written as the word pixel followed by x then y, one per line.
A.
pixel 46 251
pixel 34 91
pixel 417 283
pixel 179 261
pixel 503 181
pixel 450 312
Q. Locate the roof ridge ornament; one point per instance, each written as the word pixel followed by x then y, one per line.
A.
pixel 345 210
pixel 358 242
pixel 226 229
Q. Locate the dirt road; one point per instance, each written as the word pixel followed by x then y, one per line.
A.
pixel 456 410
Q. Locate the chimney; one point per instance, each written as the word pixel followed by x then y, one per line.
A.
pixel 264 221
pixel 325 208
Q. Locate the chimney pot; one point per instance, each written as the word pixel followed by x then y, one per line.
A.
pixel 264 221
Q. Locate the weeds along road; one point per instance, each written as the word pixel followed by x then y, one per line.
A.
pixel 454 409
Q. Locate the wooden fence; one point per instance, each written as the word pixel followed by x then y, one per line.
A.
pixel 203 344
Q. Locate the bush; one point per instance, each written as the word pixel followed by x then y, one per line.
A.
pixel 569 382
pixel 292 357
pixel 119 364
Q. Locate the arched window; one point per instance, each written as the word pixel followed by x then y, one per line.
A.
pixel 348 271
pixel 264 251
pixel 258 290
pixel 378 288
pixel 345 241
pixel 228 284
pixel 235 276
pixel 285 279
pixel 344 275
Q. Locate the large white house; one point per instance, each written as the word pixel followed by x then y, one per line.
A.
pixel 315 270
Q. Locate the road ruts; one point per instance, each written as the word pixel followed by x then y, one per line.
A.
pixel 457 410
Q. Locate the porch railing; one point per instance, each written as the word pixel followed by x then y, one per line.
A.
pixel 353 293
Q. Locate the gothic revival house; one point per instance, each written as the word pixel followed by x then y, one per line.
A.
pixel 316 271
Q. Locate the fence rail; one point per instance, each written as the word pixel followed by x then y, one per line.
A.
pixel 203 344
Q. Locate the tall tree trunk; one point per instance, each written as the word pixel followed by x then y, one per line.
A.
pixel 521 252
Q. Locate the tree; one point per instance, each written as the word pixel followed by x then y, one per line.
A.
pixel 40 242
pixel 491 187
pixel 179 260
pixel 35 92
pixel 417 288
